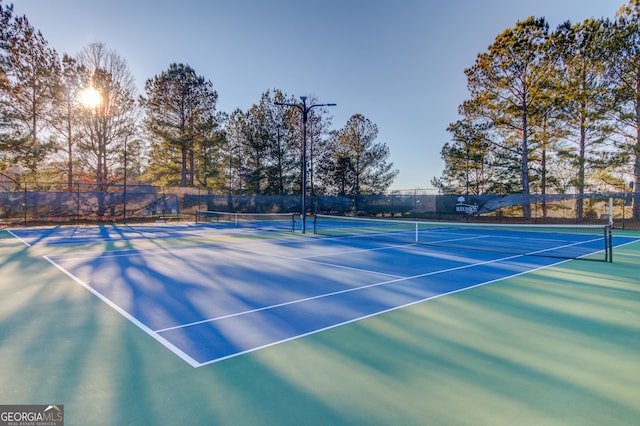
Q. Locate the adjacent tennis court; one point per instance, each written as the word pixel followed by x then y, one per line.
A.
pixel 216 291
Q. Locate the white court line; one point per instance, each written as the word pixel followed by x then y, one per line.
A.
pixel 307 259
pixel 415 302
pixel 396 280
pixel 436 296
pixel 334 293
pixel 141 252
pixel 128 316
pixel 18 238
pixel 358 250
pixel 194 363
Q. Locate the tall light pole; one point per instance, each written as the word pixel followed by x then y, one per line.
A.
pixel 304 109
pixel 124 192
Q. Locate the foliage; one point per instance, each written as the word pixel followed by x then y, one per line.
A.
pixel 30 69
pixel 180 114
pixel 623 72
pixel 547 110
pixel 553 109
pixel 360 164
pixel 106 127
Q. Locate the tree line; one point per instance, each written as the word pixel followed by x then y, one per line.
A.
pixel 78 119
pixel 548 112
pixel 551 111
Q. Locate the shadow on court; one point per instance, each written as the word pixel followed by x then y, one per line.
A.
pixel 554 346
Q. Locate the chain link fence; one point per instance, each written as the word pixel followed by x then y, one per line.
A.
pixel 37 205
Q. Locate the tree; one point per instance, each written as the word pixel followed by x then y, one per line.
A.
pixel 318 146
pixel 360 165
pixel 6 33
pixel 466 160
pixel 180 110
pixel 234 141
pixel 265 144
pixel 264 139
pixel 66 109
pixel 283 166
pixel 623 71
pixel 7 127
pixel 507 86
pixel 107 126
pixel 30 74
pixel 257 145
pixel 584 97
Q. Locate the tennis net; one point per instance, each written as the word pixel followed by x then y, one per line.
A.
pixel 560 241
pixel 266 221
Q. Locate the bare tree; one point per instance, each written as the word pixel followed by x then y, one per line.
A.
pixel 110 122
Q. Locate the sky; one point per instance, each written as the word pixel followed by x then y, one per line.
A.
pixel 400 63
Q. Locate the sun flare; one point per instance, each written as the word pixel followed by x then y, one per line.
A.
pixel 90 97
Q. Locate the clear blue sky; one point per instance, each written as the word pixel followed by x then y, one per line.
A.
pixel 400 63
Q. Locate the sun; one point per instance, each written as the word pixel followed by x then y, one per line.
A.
pixel 90 97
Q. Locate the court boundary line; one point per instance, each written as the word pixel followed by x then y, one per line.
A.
pixel 155 334
pixel 406 305
pixel 337 292
pixel 195 364
pixel 442 244
pixel 18 238
pixel 199 231
pixel 177 351
pixel 437 296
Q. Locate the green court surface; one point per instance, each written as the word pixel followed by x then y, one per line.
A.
pixel 557 346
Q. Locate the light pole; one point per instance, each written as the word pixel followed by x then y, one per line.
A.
pixel 124 192
pixel 304 109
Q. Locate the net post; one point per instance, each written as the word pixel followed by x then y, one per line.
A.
pixel 293 222
pixel 609 238
pixel 315 220
pixel 417 232
pixel 610 211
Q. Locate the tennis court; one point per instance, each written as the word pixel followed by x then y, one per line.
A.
pixel 211 292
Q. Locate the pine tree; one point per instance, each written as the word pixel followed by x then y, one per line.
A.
pixel 180 110
pixel 30 73
pixel 467 160
pixel 584 99
pixel 361 165
pixel 507 85
pixel 623 54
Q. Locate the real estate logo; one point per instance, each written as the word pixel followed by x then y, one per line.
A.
pixel 31 415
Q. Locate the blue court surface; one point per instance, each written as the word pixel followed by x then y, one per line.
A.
pixel 97 234
pixel 208 302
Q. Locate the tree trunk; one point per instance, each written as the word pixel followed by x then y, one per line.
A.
pixel 191 164
pixel 581 179
pixel 183 180
pixel 70 149
pixel 636 169
pixel 526 206
pixel 543 183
